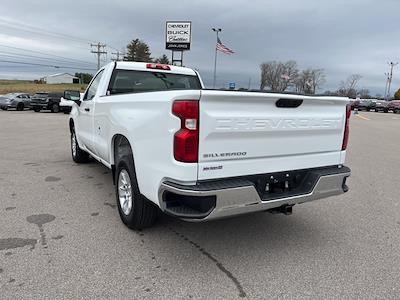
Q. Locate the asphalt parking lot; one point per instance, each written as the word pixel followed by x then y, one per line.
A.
pixel 61 236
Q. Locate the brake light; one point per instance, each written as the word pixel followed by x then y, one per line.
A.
pixel 346 127
pixel 186 140
pixel 158 66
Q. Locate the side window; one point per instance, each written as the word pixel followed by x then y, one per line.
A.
pixel 92 89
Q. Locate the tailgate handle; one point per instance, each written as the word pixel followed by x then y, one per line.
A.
pixel 288 103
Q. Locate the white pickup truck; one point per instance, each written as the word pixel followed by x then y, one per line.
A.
pixel 200 154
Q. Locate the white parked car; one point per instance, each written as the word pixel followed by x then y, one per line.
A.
pixel 200 154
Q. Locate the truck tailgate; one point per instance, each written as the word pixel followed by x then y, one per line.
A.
pixel 245 133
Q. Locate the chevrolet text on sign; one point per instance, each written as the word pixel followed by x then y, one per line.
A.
pixel 178 35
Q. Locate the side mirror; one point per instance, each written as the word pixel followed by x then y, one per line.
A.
pixel 73 96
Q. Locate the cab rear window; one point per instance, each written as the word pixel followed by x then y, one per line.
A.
pixel 130 81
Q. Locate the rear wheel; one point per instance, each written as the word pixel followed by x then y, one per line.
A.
pixel 135 210
pixel 20 106
pixel 36 109
pixel 78 155
pixel 55 108
pixel 385 110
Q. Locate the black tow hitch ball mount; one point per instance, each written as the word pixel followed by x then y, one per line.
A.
pixel 284 209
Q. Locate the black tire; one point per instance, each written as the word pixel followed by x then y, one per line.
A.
pixel 385 110
pixel 79 156
pixel 4 108
pixel 36 109
pixel 55 108
pixel 20 106
pixel 143 213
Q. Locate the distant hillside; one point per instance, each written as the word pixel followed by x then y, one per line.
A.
pixel 26 86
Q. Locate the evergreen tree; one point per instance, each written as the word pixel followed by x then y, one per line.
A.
pixel 137 50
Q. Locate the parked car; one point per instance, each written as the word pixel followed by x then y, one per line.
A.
pixel 354 103
pixel 199 154
pixel 366 104
pixel 46 101
pixel 394 106
pixel 381 105
pixel 19 101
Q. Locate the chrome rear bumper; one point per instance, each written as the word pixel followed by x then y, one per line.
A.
pixel 241 197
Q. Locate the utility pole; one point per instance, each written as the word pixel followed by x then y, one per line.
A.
pixel 100 50
pixel 386 86
pixel 392 65
pixel 118 56
pixel 217 31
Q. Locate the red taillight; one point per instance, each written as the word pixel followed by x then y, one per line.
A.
pixel 346 127
pixel 186 140
pixel 158 66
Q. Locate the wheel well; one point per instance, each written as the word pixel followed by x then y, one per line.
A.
pixel 120 147
pixel 71 125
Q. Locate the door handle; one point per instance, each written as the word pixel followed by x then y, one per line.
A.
pixel 87 109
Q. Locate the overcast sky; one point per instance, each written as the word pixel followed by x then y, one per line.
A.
pixel 342 36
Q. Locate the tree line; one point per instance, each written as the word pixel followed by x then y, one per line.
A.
pixel 280 76
pixel 138 50
pixel 277 76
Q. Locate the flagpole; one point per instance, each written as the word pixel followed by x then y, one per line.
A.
pixel 215 57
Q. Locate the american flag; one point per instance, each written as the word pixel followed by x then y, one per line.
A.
pixel 221 47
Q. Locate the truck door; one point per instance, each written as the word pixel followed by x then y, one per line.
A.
pixel 86 113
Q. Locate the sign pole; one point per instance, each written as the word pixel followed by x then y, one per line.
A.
pixel 179 61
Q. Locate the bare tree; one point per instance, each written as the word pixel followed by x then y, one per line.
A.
pixel 318 78
pixel 302 82
pixel 348 88
pixel 364 93
pixel 278 76
pixel 309 80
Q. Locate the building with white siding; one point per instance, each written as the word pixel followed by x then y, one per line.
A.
pixel 60 78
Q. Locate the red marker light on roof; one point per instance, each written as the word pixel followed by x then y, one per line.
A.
pixel 158 66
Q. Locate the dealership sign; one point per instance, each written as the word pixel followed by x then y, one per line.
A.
pixel 178 36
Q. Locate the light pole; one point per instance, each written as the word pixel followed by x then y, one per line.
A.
pixel 386 87
pixel 392 65
pixel 217 31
